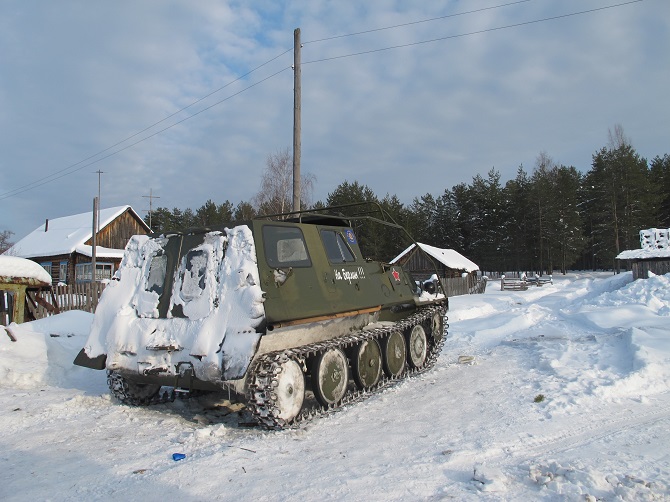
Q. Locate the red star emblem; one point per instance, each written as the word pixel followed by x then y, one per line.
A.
pixel 396 275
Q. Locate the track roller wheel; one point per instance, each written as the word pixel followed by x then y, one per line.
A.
pixel 290 390
pixel 367 364
pixel 417 345
pixel 395 353
pixel 330 376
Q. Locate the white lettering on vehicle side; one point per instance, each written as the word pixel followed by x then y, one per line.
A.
pixel 349 275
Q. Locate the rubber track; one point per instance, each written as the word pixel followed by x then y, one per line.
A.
pixel 119 388
pixel 261 398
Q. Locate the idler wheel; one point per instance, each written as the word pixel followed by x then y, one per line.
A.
pixel 417 344
pixel 395 354
pixel 437 327
pixel 330 376
pixel 131 392
pixel 290 390
pixel 367 364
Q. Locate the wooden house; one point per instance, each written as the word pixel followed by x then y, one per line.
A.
pixel 63 246
pixel 653 255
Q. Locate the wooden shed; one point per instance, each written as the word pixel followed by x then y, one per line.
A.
pixel 653 255
pixel 23 285
pixel 457 273
pixel 63 246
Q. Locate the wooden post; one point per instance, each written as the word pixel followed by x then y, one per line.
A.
pixel 19 307
pixel 296 119
pixel 93 242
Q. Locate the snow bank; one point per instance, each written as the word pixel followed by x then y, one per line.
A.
pixel 638 316
pixel 43 351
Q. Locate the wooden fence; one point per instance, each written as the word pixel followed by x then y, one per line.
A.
pixel 463 286
pixel 83 296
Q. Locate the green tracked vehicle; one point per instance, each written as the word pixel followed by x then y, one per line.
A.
pixel 284 312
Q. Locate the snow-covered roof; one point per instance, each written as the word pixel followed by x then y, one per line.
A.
pixel 654 243
pixel 66 235
pixel 643 254
pixel 447 257
pixel 16 269
pixel 100 252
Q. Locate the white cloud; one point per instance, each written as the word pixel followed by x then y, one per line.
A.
pixel 78 77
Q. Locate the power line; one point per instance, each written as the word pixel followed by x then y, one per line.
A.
pixel 84 163
pixel 70 169
pixel 478 32
pixel 415 22
pixel 54 176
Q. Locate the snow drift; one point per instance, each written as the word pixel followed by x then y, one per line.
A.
pixel 561 393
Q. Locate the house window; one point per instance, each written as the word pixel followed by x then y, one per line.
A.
pixel 102 271
pixel 62 272
pixel 46 266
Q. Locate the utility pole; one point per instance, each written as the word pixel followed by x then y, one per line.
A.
pixel 96 208
pixel 151 198
pixel 99 173
pixel 296 119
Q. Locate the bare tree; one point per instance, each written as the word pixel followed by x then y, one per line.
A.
pixel 544 162
pixel 617 138
pixel 5 244
pixel 276 191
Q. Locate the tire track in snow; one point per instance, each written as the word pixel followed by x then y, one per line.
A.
pixel 592 432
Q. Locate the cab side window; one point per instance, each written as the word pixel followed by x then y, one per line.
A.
pixel 336 247
pixel 285 247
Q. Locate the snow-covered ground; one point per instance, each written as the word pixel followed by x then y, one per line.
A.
pixel 561 393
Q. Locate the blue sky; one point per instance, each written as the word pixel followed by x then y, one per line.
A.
pixel 78 77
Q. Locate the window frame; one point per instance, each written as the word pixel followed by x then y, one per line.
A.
pixel 340 243
pixel 47 265
pixel 83 272
pixel 271 240
pixel 62 272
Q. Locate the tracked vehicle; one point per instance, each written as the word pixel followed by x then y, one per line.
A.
pixel 284 313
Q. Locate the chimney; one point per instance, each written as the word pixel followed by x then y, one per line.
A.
pixel 46 225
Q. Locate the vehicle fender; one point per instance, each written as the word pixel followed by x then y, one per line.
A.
pixel 96 363
pixel 238 349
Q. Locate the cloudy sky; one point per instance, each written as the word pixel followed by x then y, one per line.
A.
pixel 186 100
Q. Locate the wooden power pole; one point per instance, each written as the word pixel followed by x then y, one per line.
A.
pixel 94 240
pixel 151 198
pixel 296 119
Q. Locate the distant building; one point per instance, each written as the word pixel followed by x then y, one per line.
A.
pixel 457 273
pixel 653 255
pixel 63 246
